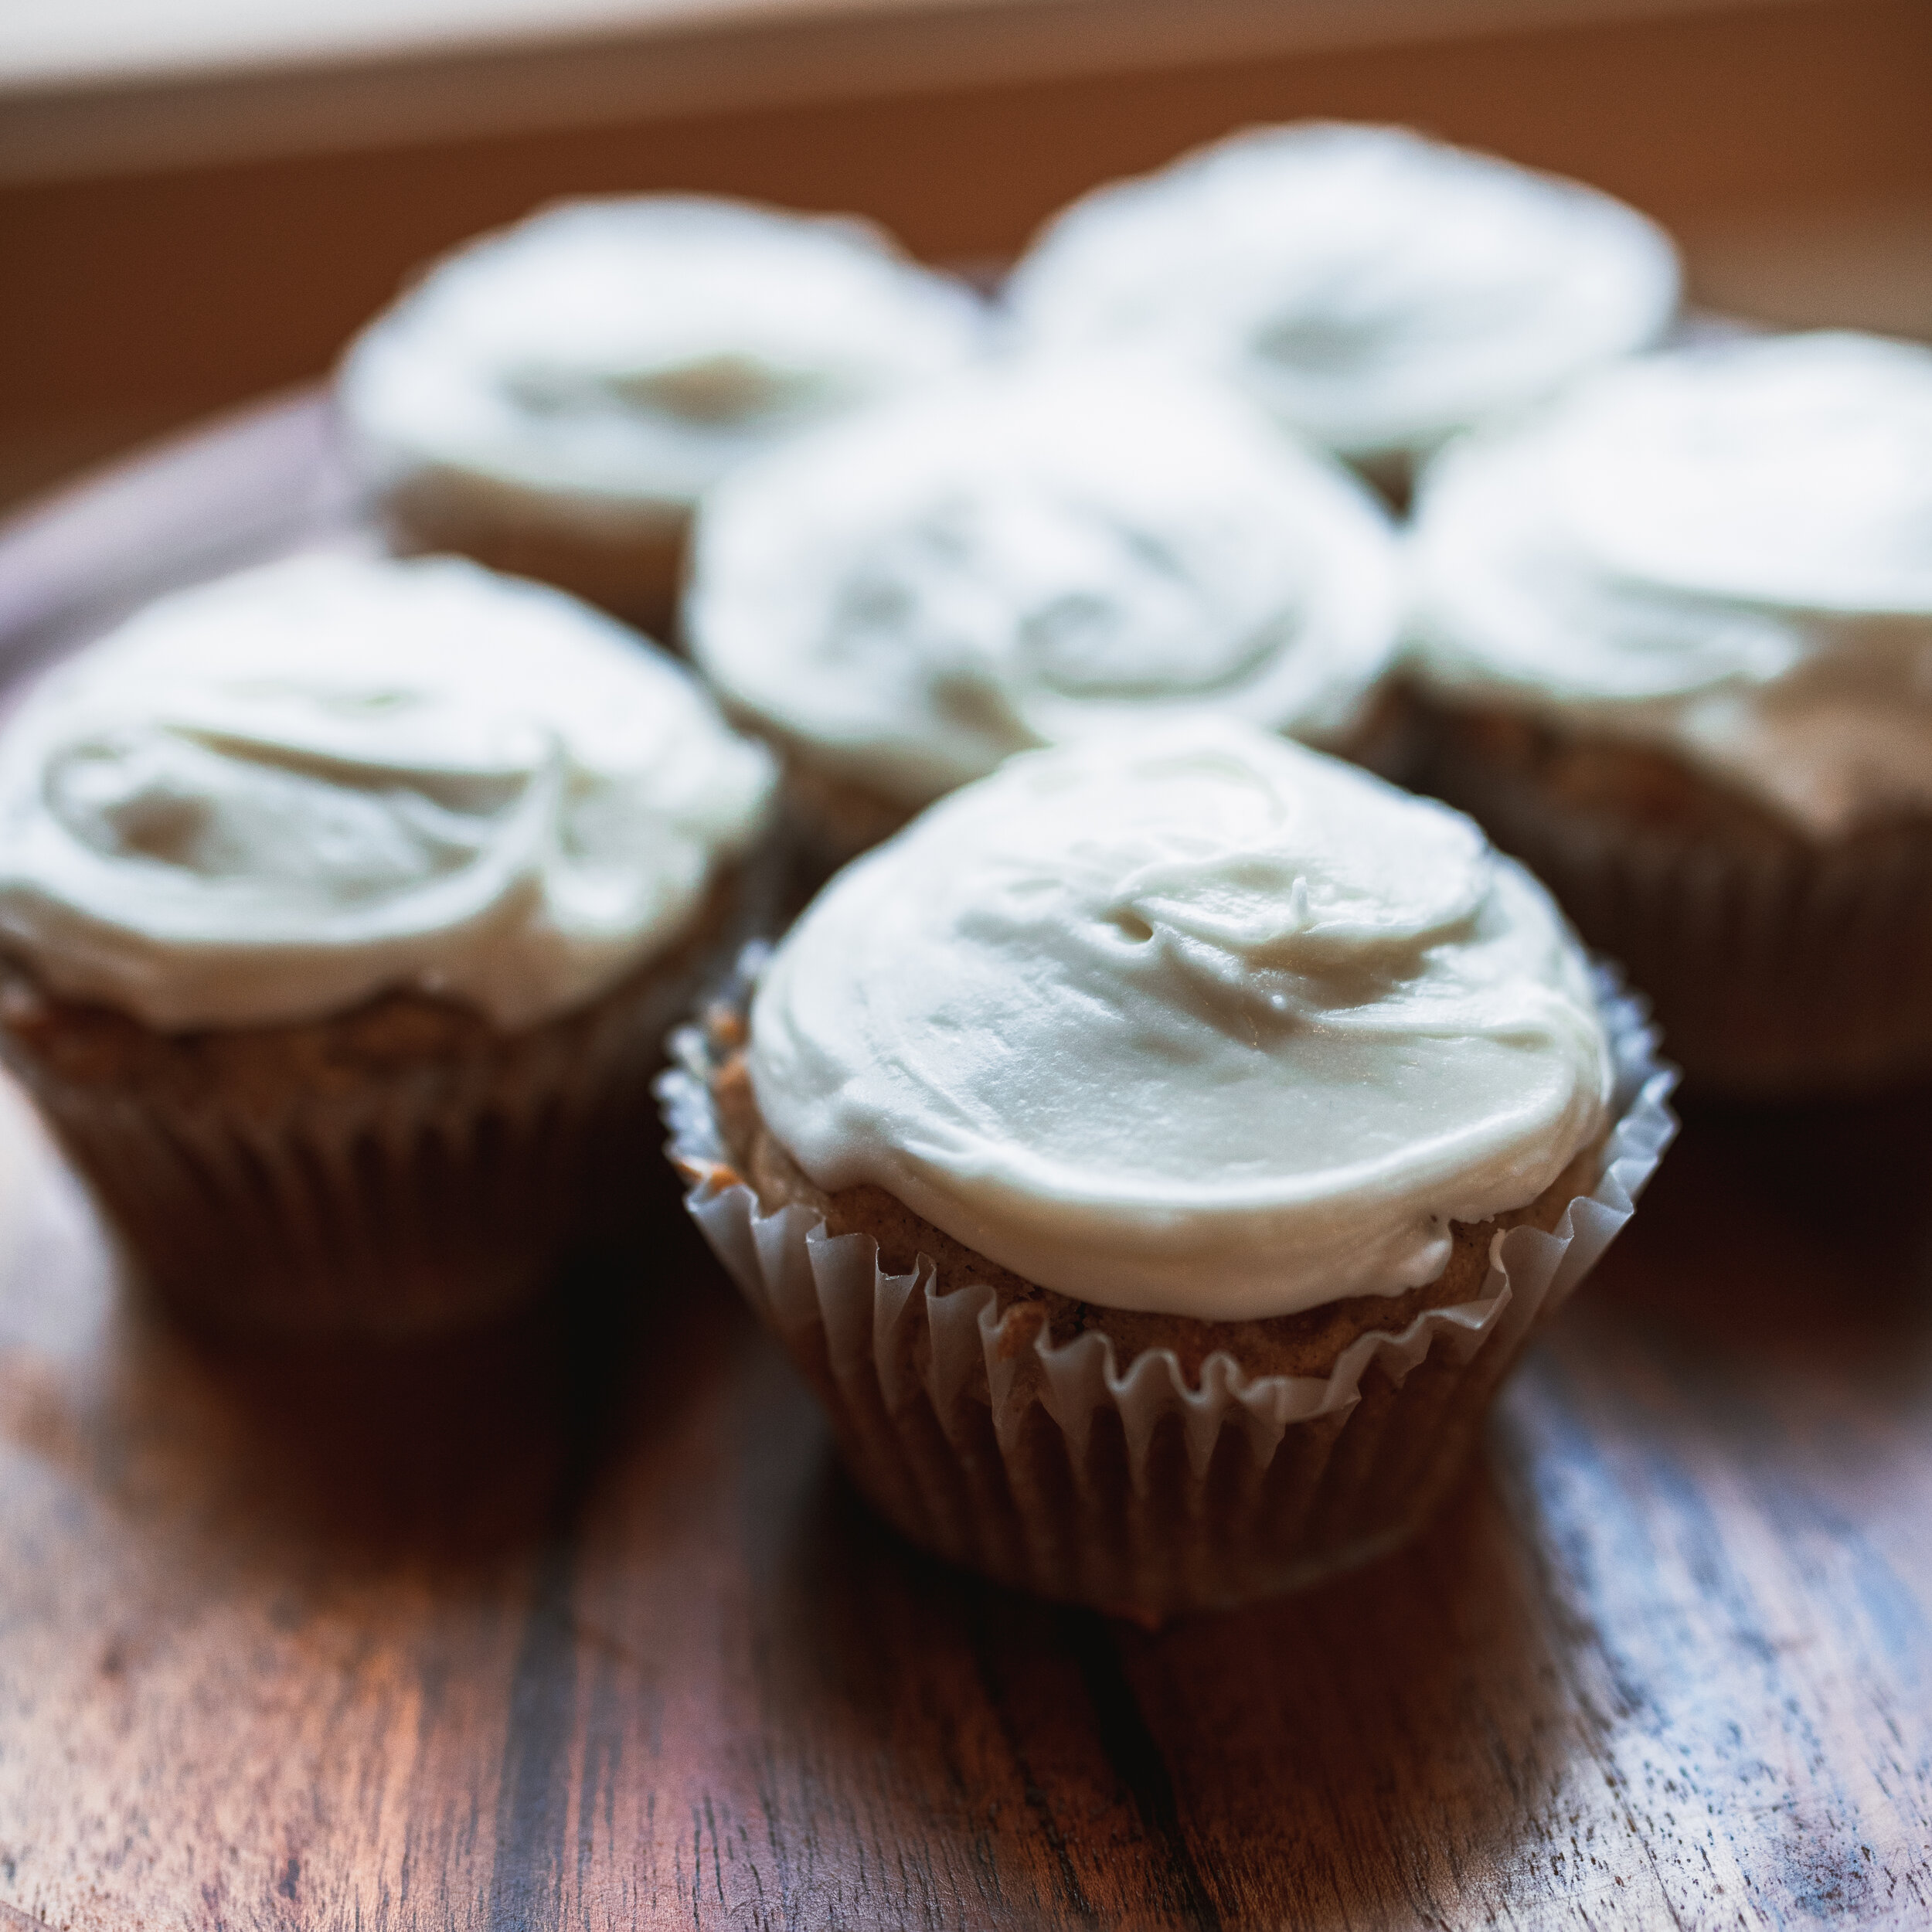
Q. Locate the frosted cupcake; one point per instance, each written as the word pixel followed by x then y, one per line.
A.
pixel 1025 556
pixel 1675 633
pixel 550 400
pixel 343 906
pixel 1372 290
pixel 1157 1153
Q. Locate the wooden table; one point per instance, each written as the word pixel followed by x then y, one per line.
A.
pixel 576 1625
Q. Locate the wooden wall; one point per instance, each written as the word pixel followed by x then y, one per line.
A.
pixel 131 302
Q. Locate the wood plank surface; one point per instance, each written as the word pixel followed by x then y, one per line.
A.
pixel 575 1624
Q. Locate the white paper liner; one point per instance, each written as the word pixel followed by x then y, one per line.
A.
pixel 908 1372
pixel 1775 971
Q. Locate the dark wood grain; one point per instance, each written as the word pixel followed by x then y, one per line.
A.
pixel 575 1624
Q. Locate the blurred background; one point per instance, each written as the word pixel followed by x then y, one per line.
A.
pixel 199 200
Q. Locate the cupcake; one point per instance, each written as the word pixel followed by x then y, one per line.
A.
pixel 344 906
pixel 551 399
pixel 1674 635
pixel 1027 556
pixel 1157 1153
pixel 1372 290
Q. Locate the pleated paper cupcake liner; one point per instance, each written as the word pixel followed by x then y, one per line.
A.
pixel 629 560
pixel 1050 1467
pixel 1774 971
pixel 311 1180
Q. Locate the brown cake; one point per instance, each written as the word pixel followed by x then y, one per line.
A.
pixel 629 565
pixel 1670 634
pixel 1777 963
pixel 1024 556
pixel 344 906
pixel 1306 1344
pixel 552 399
pixel 1097 1248
pixel 405 1166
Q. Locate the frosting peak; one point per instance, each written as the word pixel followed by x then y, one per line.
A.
pixel 1273 882
pixel 1036 552
pixel 270 797
pixel 1192 1021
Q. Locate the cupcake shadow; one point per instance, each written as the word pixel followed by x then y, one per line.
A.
pixel 444 1454
pixel 1798 1235
pixel 1867 1151
pixel 1331 1757
pixel 447 1449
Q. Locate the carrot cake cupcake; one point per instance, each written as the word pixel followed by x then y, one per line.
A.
pixel 1027 554
pixel 344 905
pixel 1156 1154
pixel 1372 289
pixel 1674 636
pixel 550 398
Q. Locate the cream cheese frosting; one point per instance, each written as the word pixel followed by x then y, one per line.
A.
pixel 270 797
pixel 1373 289
pixel 1194 1021
pixel 626 351
pixel 1034 552
pixel 1725 550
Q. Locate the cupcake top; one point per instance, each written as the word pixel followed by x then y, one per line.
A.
pixel 1726 550
pixel 274 796
pixel 630 351
pixel 1195 1021
pixel 1373 289
pixel 1031 553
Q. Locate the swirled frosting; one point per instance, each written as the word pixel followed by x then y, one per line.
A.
pixel 1032 553
pixel 271 797
pixel 1726 550
pixel 627 352
pixel 1371 288
pixel 1196 1021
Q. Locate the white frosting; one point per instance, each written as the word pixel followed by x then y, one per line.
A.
pixel 1196 1021
pixel 625 352
pixel 1373 289
pixel 1032 553
pixel 1726 550
pixel 274 796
